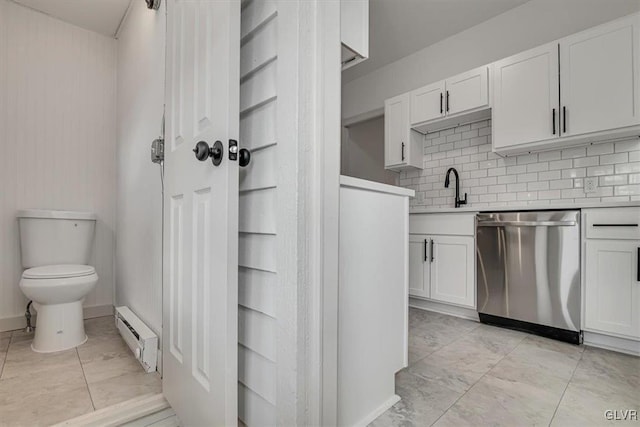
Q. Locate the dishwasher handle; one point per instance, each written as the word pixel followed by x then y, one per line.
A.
pixel 526 223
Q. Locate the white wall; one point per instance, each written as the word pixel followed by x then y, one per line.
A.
pixel 363 152
pixel 532 24
pixel 57 137
pixel 140 94
pixel 546 178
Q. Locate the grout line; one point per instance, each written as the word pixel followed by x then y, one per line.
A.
pixel 479 379
pixel 85 380
pixel 566 387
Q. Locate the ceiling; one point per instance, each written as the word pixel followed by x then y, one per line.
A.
pixel 398 28
pixel 100 16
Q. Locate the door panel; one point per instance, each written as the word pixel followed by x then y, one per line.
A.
pixel 418 266
pixel 612 294
pixel 599 86
pixel 525 97
pixel 452 272
pixel 467 91
pixel 201 213
pixel 396 128
pixel 427 103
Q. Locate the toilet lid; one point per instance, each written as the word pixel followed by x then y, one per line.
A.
pixel 58 271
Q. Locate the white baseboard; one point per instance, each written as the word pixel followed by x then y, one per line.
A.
pixel 381 410
pixel 19 322
pixel 438 307
pixel 621 345
pixel 120 413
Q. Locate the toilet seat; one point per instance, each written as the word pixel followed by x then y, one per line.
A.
pixel 63 271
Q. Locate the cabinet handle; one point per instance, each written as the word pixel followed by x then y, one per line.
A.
pixel 432 257
pixel 425 250
pixel 564 119
pixel 447 101
pixel 615 225
pixel 402 151
pixel 553 119
pixel 638 266
pixel 441 96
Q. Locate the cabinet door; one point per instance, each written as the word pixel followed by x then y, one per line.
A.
pixel 396 130
pixel 525 98
pixel 452 272
pixel 612 289
pixel 599 88
pixel 467 91
pixel 419 266
pixel 428 103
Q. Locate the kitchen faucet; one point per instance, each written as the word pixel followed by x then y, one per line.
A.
pixel 446 185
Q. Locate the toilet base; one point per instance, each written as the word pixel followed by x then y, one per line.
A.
pixel 58 327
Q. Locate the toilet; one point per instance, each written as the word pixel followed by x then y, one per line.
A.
pixel 55 248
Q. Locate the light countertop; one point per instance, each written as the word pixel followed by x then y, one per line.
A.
pixel 524 207
pixel 363 184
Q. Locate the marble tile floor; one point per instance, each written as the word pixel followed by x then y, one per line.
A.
pixel 42 389
pixel 463 373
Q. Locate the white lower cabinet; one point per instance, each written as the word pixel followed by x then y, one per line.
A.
pixel 452 273
pixel 419 265
pixel 441 267
pixel 612 287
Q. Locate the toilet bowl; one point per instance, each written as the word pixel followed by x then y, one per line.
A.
pixel 58 292
pixel 55 250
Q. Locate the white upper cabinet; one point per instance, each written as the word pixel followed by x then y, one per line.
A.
pixel 467 91
pixel 354 31
pixel 450 98
pixel 599 89
pixel 525 98
pixel 427 103
pixel 583 88
pixel 402 146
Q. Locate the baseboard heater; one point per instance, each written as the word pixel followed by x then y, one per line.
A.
pixel 140 339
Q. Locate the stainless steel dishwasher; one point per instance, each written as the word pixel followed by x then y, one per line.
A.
pixel 528 271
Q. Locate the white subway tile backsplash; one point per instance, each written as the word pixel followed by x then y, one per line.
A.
pixel 613 180
pixel 598 149
pixel 609 159
pixel 574 173
pixel 627 190
pixel 628 168
pixel 632 145
pixel 550 175
pixel 560 184
pixel 538 178
pixel 572 153
pixel 600 170
pixel 538 185
pixel 538 167
pixel 560 164
pixel 549 155
pixel 585 161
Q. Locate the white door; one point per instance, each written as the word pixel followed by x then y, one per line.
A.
pixel 525 97
pixel 467 91
pixel 419 265
pixel 452 271
pixel 396 130
pixel 201 213
pixel 599 78
pixel 612 288
pixel 428 103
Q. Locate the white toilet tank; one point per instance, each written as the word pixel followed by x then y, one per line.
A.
pixel 49 237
